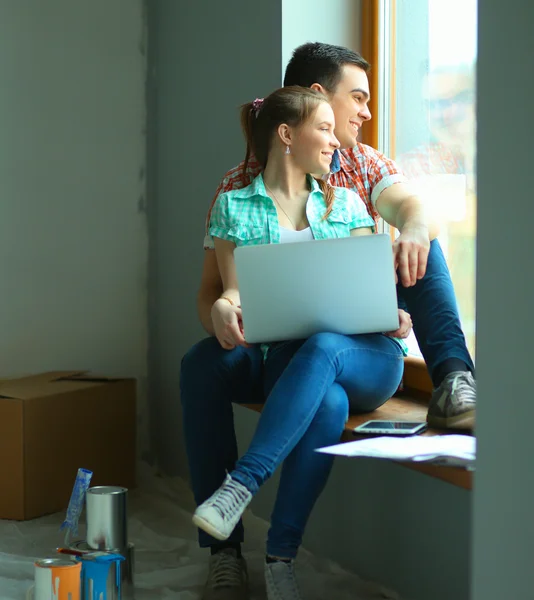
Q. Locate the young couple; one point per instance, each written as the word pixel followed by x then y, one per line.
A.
pixel 308 386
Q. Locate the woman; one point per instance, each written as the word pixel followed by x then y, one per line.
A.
pixel 291 133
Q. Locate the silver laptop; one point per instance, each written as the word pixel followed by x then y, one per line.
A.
pixel 291 291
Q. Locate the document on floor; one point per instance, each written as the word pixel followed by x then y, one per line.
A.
pixel 447 450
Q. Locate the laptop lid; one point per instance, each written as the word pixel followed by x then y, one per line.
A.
pixel 291 291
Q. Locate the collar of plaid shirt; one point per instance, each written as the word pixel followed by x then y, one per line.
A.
pixel 340 161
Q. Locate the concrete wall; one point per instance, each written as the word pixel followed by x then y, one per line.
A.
pixel 73 239
pixel 205 60
pixel 503 540
pixel 329 21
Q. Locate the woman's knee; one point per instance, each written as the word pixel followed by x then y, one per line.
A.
pixel 335 406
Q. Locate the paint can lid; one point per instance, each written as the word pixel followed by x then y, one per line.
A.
pixel 47 563
pixel 107 490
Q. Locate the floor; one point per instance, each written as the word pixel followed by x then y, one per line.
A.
pixel 168 563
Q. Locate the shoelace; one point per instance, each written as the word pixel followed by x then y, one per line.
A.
pixel 463 385
pixel 285 582
pixel 226 570
pixel 231 495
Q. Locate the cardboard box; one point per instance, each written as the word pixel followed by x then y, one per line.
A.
pixel 52 424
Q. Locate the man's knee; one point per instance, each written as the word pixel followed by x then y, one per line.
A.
pixel 436 263
pixel 206 349
pixel 207 370
pixel 199 364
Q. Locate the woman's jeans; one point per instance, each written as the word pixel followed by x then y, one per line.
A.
pixel 310 385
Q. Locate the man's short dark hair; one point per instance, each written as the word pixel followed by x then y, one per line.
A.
pixel 321 63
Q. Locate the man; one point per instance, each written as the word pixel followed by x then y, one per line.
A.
pixel 212 378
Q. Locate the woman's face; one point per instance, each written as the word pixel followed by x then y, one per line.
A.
pixel 313 143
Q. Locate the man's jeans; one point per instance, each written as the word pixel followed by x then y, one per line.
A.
pixel 213 378
pixel 432 306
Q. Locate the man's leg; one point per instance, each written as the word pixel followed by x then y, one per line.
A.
pixel 210 380
pixel 436 322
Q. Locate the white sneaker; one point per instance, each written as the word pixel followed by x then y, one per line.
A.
pixel 221 512
pixel 281 582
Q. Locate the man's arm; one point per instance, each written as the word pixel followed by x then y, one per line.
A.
pixel 401 208
pixel 210 290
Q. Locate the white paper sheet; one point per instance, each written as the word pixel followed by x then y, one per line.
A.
pixel 452 450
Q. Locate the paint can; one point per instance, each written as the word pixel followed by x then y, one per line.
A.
pixel 56 579
pixel 127 566
pixel 107 517
pixel 101 576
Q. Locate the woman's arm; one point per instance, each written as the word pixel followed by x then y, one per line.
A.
pixel 226 311
pixel 224 250
pixel 210 290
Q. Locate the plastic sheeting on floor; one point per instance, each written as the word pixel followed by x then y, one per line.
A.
pixel 168 562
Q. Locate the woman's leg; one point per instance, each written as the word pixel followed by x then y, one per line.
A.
pixel 304 475
pixel 368 367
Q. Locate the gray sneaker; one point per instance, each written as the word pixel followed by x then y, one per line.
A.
pixel 227 577
pixel 453 403
pixel 281 582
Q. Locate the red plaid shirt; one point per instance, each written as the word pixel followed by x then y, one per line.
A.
pixel 362 169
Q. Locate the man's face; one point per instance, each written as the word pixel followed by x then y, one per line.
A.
pixel 349 101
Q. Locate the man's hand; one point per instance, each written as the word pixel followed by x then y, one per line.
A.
pixel 228 325
pixel 410 252
pixel 399 206
pixel 405 326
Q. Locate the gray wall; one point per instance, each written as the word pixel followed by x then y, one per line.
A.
pixel 383 521
pixel 503 541
pixel 73 239
pixel 206 58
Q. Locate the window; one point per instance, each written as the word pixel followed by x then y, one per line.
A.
pixel 426 122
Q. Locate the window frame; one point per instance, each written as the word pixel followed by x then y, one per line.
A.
pixel 416 376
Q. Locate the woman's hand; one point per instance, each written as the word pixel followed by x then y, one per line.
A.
pixel 405 326
pixel 227 324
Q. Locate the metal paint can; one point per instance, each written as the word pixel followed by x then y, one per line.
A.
pixel 107 517
pixel 56 579
pixel 127 566
pixel 101 576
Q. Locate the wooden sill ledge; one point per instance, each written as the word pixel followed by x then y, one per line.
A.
pixel 404 407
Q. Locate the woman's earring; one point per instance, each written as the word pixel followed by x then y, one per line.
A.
pixel 288 150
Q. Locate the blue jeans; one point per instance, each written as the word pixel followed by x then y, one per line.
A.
pixel 310 386
pixel 369 369
pixel 431 303
pixel 213 378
